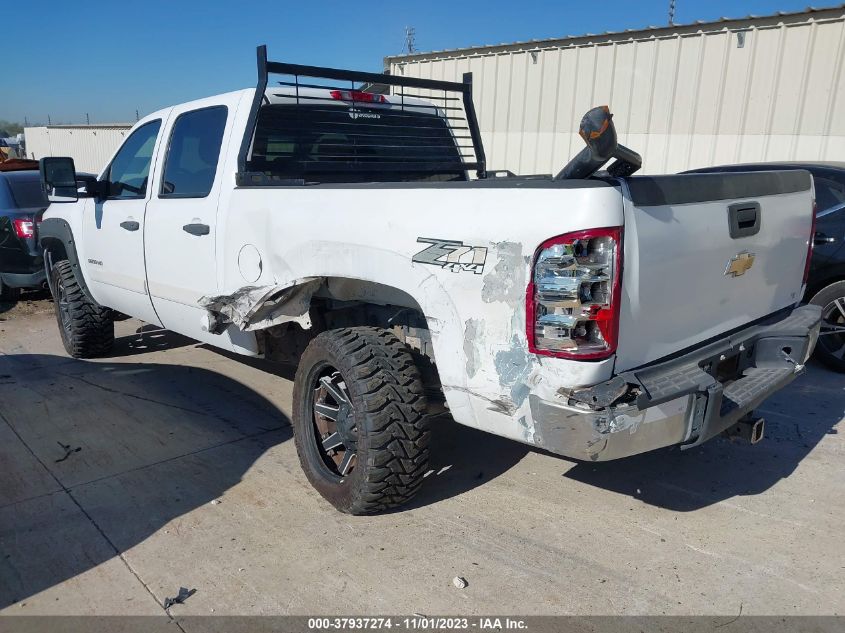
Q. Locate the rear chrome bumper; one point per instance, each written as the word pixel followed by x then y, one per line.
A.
pixel 686 399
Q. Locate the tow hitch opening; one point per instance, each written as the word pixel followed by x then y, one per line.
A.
pixel 750 429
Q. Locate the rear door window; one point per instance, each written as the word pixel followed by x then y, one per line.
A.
pixel 193 153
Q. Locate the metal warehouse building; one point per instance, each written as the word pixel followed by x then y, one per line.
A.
pixel 735 90
pixel 90 146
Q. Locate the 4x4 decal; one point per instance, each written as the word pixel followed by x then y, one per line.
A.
pixel 451 255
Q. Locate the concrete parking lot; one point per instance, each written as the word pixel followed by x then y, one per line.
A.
pixel 171 465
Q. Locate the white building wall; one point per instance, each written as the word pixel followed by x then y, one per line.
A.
pixel 682 97
pixel 91 147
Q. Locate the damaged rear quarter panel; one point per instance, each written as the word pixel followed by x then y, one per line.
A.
pixel 477 321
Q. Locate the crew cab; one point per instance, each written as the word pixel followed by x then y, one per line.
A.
pixel 347 222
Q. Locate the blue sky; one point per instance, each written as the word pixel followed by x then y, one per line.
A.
pixel 110 58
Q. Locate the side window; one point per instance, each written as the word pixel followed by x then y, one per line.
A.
pixel 828 194
pixel 192 155
pixel 130 169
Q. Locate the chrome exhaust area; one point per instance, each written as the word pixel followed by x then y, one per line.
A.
pixel 750 428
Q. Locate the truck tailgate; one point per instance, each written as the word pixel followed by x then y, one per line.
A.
pixel 689 276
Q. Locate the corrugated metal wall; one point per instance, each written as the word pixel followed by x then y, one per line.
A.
pixel 705 94
pixel 91 147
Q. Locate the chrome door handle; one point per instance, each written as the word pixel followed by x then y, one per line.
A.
pixel 130 225
pixel 197 229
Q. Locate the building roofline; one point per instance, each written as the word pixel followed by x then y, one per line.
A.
pixel 836 11
pixel 83 126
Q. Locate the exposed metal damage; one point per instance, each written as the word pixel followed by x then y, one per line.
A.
pixel 499 405
pixel 600 396
pixel 514 367
pixel 609 403
pixel 513 370
pixel 473 335
pixel 257 307
pixel 505 282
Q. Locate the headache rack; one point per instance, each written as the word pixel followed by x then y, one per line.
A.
pixel 408 137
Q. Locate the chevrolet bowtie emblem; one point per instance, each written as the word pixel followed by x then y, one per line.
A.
pixel 739 263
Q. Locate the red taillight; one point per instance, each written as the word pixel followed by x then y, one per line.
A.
pixel 357 95
pixel 24 228
pixel 810 245
pixel 572 301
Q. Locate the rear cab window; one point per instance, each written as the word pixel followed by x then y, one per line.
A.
pixel 27 193
pixel 342 144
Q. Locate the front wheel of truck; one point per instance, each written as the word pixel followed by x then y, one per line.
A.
pixel 86 328
pixel 359 419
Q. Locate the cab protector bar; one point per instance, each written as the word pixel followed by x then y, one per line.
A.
pixel 464 88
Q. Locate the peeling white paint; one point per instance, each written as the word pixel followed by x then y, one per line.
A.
pixel 473 341
pixel 506 281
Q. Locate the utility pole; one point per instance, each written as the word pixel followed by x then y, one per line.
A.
pixel 25 121
pixel 410 45
pixel 136 116
pixel 49 122
pixel 87 119
pixel 671 12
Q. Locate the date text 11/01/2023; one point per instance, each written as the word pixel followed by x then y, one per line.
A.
pixel 416 623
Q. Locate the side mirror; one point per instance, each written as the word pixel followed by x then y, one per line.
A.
pixel 89 187
pixel 58 178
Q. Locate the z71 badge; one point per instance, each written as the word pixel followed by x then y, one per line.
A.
pixel 451 255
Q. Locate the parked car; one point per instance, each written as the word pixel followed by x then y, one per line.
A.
pixel 22 201
pixel 583 315
pixel 826 283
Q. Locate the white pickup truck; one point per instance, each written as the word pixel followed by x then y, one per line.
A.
pixel 351 227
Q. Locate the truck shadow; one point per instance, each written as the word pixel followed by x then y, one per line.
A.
pixel 148 338
pixel 797 419
pixel 462 458
pixel 98 456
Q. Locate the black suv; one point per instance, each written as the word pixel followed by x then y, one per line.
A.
pixel 826 285
pixel 22 202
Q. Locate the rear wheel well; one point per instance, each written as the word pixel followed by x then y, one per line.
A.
pixel 346 303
